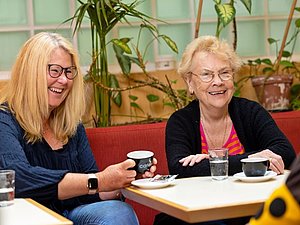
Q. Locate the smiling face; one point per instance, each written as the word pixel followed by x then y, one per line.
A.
pixel 59 88
pixel 217 93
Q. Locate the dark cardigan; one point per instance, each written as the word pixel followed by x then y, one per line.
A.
pixel 255 128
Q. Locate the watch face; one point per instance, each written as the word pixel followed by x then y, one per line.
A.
pixel 93 183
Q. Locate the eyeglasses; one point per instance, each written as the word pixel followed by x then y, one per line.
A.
pixel 55 71
pixel 207 75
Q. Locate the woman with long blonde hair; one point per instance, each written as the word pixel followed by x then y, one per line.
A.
pixel 44 141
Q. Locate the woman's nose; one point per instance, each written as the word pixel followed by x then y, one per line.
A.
pixel 63 78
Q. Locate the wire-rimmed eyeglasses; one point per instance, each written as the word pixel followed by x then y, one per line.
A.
pixel 55 71
pixel 207 75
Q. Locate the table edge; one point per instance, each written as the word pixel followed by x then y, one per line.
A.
pixel 62 219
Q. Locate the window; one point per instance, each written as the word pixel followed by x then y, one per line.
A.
pixel 20 19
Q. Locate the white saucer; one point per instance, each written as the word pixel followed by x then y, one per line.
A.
pixel 241 176
pixel 147 184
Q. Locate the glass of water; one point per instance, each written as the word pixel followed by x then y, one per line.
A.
pixel 218 161
pixel 7 187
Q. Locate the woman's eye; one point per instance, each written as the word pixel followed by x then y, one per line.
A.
pixel 54 71
pixel 206 74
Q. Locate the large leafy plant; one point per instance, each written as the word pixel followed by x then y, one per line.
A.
pixel 103 16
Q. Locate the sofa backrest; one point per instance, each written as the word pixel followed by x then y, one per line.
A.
pixel 111 144
pixel 289 124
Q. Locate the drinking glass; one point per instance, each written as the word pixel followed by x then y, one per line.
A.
pixel 7 187
pixel 218 161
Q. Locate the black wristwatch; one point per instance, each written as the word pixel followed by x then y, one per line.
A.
pixel 92 184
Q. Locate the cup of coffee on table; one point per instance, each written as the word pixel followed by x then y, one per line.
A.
pixel 143 160
pixel 254 167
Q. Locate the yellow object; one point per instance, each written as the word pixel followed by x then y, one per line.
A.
pixel 281 208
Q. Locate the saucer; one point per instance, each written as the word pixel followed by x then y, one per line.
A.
pixel 147 184
pixel 269 175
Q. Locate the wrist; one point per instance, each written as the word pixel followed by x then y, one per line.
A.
pixel 92 184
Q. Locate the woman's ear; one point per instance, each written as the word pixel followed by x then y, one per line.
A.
pixel 188 81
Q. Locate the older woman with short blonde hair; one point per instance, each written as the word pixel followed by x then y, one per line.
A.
pixel 217 119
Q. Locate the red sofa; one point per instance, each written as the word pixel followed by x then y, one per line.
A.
pixel 111 144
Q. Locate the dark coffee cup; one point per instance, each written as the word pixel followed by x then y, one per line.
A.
pixel 143 160
pixel 255 167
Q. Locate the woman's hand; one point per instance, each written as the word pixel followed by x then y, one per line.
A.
pixel 192 159
pixel 276 162
pixel 116 194
pixel 116 176
pixel 151 171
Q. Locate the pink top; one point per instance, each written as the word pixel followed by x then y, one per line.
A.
pixel 233 143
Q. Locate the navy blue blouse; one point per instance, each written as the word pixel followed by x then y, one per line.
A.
pixel 39 169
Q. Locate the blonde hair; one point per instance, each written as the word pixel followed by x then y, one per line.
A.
pixel 26 93
pixel 208 44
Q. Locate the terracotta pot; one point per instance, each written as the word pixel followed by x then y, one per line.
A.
pixel 273 92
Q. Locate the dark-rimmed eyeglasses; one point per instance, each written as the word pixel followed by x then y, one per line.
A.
pixel 55 71
pixel 207 75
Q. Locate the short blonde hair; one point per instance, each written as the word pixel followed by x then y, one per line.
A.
pixel 208 44
pixel 26 93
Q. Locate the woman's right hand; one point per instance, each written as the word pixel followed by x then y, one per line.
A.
pixel 192 159
pixel 116 176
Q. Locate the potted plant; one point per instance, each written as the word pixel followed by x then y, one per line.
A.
pixel 103 16
pixel 272 80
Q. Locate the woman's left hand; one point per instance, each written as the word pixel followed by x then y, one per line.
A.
pixel 192 159
pixel 152 170
pixel 276 162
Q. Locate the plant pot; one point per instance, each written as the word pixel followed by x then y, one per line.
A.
pixel 273 92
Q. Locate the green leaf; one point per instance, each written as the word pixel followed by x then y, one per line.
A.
pixel 182 93
pixel 286 54
pixel 257 61
pixel 125 40
pixel 267 61
pixel 287 64
pixel 170 43
pixel 135 105
pixel 267 70
pixel 123 60
pixel 133 97
pixel 226 13
pixel 122 45
pixel 297 23
pixel 116 96
pixel 272 40
pixel 247 4
pixel 295 89
pixel 149 26
pixel 136 61
pixel 152 98
pixel 169 104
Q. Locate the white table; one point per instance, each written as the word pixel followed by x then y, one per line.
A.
pixel 200 199
pixel 29 212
